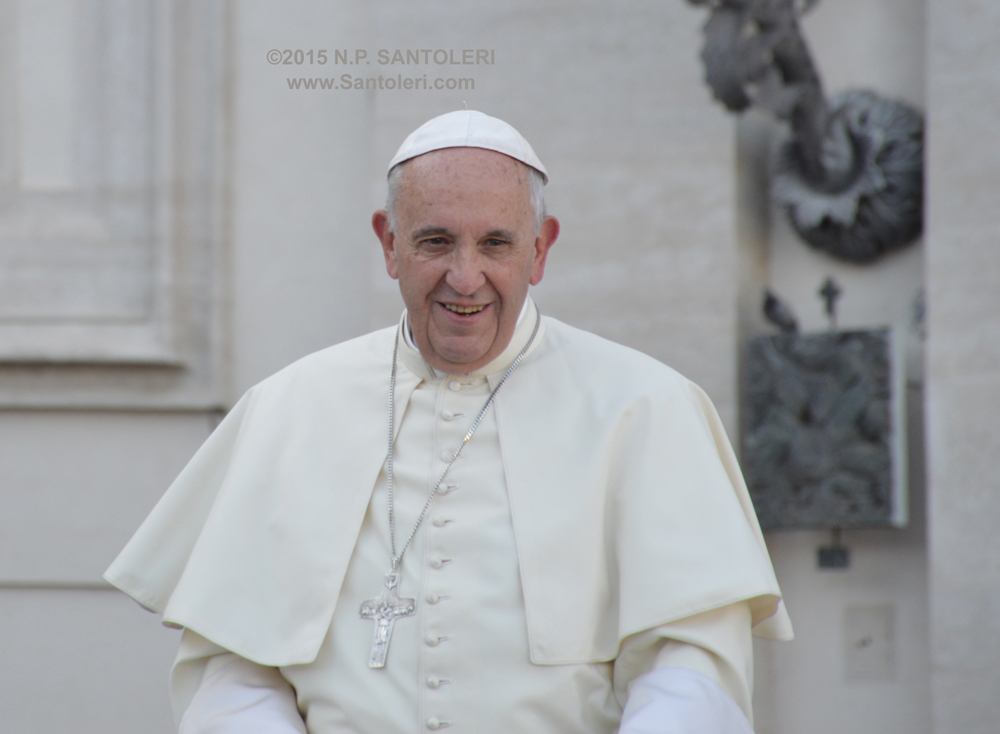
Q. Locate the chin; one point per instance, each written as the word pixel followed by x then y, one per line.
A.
pixel 461 349
pixel 462 361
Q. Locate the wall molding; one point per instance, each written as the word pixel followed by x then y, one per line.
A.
pixel 111 234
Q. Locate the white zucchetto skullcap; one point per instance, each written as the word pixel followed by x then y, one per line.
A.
pixel 468 129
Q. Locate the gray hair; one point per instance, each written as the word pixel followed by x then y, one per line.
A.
pixel 536 194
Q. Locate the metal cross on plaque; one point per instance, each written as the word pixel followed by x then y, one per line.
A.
pixel 384 611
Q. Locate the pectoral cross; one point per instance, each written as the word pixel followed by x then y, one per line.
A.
pixel 384 611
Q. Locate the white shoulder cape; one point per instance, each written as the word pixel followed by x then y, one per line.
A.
pixel 628 506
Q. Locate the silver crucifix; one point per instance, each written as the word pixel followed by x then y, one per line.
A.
pixel 384 611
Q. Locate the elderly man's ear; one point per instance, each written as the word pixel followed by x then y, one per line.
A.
pixel 546 237
pixel 380 223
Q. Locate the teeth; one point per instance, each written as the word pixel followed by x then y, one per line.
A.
pixel 463 309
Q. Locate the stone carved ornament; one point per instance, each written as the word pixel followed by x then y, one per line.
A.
pixel 818 442
pixel 850 175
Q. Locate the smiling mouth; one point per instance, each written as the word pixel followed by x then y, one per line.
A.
pixel 463 310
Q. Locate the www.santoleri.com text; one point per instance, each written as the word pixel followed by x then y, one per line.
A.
pixel 383 57
pixel 347 81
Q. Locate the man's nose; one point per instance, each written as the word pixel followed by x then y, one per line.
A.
pixel 465 274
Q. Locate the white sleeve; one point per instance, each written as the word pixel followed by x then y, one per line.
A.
pixel 218 692
pixel 681 701
pixel 689 675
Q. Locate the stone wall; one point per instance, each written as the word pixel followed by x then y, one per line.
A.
pixel 963 362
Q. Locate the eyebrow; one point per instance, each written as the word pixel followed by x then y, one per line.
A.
pixel 424 232
pixel 502 234
pixel 427 231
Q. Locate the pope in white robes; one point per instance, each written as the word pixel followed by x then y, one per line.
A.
pixel 571 546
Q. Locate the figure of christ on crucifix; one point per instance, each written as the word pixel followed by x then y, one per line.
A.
pixel 384 611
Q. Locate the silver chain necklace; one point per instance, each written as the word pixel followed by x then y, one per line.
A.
pixel 388 606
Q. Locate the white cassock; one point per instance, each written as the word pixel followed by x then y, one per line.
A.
pixel 593 549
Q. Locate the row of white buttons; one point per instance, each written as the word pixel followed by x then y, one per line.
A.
pixel 433 682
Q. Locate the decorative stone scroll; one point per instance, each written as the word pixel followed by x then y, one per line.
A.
pixel 110 170
pixel 850 173
pixel 824 442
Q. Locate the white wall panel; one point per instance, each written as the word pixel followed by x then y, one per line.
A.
pixel 75 486
pixel 82 661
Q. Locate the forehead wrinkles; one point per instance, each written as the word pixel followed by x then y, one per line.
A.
pixel 457 176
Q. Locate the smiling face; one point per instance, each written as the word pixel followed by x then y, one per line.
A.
pixel 464 251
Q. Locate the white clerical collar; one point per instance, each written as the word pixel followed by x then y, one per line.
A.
pixel 410 353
